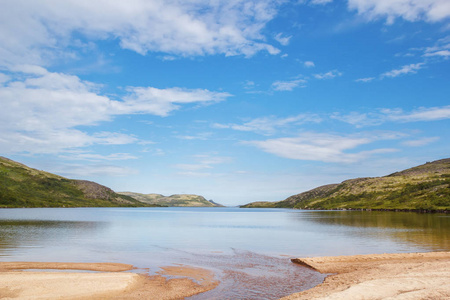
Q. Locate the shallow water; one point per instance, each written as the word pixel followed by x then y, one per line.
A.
pixel 249 249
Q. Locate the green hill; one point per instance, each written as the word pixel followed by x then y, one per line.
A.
pixel 174 200
pixel 425 187
pixel 21 186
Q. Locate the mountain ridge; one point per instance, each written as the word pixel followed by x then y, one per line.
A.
pixel 176 200
pixel 422 188
pixel 22 186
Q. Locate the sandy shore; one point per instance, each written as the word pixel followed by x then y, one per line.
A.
pixel 109 281
pixel 382 276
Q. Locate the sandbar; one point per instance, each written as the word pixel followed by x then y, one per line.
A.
pixel 108 281
pixel 380 276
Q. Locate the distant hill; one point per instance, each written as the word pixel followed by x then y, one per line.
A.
pixel 21 186
pixel 173 200
pixel 425 187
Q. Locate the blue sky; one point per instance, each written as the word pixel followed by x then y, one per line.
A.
pixel 238 101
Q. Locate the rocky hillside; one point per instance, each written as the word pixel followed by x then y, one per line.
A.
pixel 21 186
pixel 425 187
pixel 174 200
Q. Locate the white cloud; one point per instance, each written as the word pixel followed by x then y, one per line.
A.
pixel 420 142
pixel 440 49
pixel 283 40
pixel 444 53
pixel 248 84
pixel 202 162
pixel 328 75
pixel 322 147
pixel 410 10
pixel 320 2
pixel 367 79
pixel 41 110
pixel 269 125
pixel 195 174
pixel 421 114
pixel 200 136
pixel 407 69
pixel 4 78
pixel 94 170
pixel 309 64
pixel 37 32
pixel 162 101
pixel 394 115
pixel 288 85
pixel 359 119
pixel 192 167
pixel 99 157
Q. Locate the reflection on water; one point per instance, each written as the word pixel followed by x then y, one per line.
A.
pixel 23 234
pixel 430 231
pixel 248 248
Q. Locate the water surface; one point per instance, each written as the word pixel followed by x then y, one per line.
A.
pixel 247 248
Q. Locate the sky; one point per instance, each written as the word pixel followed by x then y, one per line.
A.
pixel 238 101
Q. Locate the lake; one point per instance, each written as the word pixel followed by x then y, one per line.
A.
pixel 248 249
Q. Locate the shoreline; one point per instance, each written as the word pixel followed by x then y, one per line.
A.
pixel 379 276
pixel 376 276
pixel 104 281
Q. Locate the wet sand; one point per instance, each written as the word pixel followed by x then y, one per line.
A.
pixel 109 281
pixel 381 276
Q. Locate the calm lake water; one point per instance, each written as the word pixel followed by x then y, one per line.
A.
pixel 246 248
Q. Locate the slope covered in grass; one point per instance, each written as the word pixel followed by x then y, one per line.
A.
pixel 21 186
pixel 425 187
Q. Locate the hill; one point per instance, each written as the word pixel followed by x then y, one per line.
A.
pixel 21 186
pixel 425 187
pixel 173 200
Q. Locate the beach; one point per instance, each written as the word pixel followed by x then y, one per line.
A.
pixel 104 281
pixel 378 276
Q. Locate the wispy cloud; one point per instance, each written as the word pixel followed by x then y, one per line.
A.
pixel 367 79
pixel 163 101
pixel 359 119
pixel 201 162
pixel 309 64
pixel 98 157
pixel 288 85
pixel 283 40
pixel 420 142
pixel 92 170
pixel 320 2
pixel 423 114
pixel 444 53
pixel 440 49
pixel 407 69
pixel 328 75
pixel 269 125
pixel 410 10
pixel 200 136
pixel 323 147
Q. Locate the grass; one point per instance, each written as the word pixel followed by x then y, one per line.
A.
pixel 422 188
pixel 21 186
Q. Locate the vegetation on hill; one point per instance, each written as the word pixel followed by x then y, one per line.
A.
pixel 21 186
pixel 173 200
pixel 425 187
